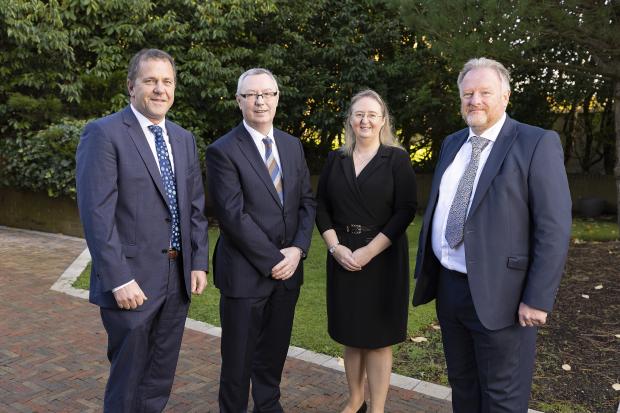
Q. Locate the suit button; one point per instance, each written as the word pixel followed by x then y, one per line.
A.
pixel 164 251
pixel 168 220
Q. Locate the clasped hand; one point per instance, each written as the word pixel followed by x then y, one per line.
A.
pixel 352 260
pixel 286 268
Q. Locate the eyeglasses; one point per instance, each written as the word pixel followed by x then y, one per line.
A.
pixel 255 96
pixel 371 116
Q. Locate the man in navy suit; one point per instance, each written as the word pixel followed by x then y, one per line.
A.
pixel 260 186
pixel 141 202
pixel 493 244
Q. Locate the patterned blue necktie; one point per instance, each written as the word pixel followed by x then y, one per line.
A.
pixel 458 210
pixel 273 168
pixel 170 185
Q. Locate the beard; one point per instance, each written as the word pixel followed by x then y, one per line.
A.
pixel 478 118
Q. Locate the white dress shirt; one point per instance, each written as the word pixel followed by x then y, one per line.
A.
pixel 454 259
pixel 150 138
pixel 258 137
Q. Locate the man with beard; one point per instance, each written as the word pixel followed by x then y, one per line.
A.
pixel 493 244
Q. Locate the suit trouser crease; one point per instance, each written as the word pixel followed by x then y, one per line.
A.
pixel 255 336
pixel 143 348
pixel 489 370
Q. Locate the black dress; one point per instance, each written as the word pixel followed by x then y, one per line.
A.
pixel 368 308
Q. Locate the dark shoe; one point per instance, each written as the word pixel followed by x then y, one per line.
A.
pixel 362 408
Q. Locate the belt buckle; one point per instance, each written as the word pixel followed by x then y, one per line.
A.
pixel 172 254
pixel 355 229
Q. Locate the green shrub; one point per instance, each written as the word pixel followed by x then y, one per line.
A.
pixel 44 160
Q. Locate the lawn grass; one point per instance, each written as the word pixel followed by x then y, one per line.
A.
pixel 600 229
pixel 310 326
pixel 423 361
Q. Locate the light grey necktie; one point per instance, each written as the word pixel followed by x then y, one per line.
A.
pixel 458 210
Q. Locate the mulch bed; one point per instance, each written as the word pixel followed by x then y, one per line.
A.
pixel 581 333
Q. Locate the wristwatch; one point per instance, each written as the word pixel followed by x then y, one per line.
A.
pixel 332 249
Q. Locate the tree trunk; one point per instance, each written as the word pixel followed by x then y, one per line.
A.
pixel 617 123
pixel 606 130
pixel 567 129
pixel 586 160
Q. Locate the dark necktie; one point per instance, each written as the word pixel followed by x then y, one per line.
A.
pixel 273 168
pixel 458 210
pixel 170 186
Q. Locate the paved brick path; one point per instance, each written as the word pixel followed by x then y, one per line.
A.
pixel 52 346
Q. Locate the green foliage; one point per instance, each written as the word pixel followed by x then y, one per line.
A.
pixel 44 161
pixel 564 57
pixel 68 59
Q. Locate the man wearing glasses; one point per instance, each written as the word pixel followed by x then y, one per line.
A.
pixel 260 187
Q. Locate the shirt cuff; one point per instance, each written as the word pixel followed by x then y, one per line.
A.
pixel 121 286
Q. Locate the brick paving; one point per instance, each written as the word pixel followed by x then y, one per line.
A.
pixel 52 346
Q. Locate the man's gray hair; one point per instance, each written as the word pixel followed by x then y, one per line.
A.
pixel 485 63
pixel 253 72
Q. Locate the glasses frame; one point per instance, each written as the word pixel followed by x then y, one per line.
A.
pixel 255 96
pixel 371 117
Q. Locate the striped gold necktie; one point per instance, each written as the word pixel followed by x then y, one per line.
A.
pixel 273 168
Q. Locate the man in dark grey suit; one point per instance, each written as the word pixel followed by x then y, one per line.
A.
pixel 141 201
pixel 493 244
pixel 260 186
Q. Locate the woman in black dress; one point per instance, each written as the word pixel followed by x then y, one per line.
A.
pixel 366 199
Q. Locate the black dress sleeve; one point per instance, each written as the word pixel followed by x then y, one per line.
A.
pixel 323 209
pixel 405 198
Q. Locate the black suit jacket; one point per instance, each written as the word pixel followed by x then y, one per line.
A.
pixel 254 225
pixel 518 228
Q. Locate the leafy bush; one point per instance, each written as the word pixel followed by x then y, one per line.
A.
pixel 44 160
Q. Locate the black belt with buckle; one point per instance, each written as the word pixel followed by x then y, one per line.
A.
pixel 173 254
pixel 356 229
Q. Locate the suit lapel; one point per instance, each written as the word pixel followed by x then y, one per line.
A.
pixel 137 136
pixel 179 154
pixel 348 170
pixel 502 145
pixel 249 150
pixel 379 159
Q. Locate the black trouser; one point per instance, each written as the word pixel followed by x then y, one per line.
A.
pixel 255 337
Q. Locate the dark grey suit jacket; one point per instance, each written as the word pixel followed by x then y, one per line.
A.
pixel 254 226
pixel 518 228
pixel 124 211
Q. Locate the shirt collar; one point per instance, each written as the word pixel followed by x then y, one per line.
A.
pixel 493 132
pixel 256 135
pixel 143 121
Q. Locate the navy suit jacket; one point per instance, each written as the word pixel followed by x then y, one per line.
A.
pixel 124 210
pixel 518 228
pixel 254 225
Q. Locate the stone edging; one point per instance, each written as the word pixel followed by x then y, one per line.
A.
pixel 63 285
